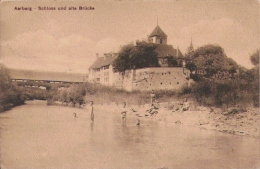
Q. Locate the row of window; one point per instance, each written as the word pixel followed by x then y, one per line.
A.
pixel 104 67
pixel 164 73
pixel 161 83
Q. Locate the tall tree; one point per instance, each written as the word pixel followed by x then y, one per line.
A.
pixel 171 61
pixel 136 56
pixel 255 58
pixel 212 58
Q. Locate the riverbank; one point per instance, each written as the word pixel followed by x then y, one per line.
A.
pixel 244 123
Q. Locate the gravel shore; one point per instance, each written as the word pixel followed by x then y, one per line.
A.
pixel 241 123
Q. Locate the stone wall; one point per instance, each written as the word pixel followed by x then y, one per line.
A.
pixel 160 78
pixel 147 79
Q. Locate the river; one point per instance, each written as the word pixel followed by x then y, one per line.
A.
pixel 39 136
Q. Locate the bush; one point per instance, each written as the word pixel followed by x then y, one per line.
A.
pixel 228 92
pixel 10 95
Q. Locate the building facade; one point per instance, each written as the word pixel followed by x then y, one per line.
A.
pixel 101 71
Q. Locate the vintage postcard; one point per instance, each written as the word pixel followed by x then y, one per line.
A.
pixel 129 84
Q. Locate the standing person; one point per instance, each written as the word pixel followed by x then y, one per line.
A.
pixel 185 106
pixel 123 113
pixel 152 97
pixel 91 109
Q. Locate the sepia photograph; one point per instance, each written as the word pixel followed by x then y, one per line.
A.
pixel 129 84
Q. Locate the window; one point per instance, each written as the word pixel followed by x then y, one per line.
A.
pixel 106 79
pixel 106 73
pixel 106 67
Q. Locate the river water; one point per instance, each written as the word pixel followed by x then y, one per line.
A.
pixel 39 136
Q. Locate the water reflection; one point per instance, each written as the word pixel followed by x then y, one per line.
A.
pixel 92 126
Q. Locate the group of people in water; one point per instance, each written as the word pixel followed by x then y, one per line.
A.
pixel 153 110
pixel 123 112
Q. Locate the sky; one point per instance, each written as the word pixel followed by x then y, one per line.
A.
pixel 68 40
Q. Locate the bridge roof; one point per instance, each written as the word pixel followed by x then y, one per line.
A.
pixel 46 76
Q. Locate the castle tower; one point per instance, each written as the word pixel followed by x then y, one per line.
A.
pixel 158 36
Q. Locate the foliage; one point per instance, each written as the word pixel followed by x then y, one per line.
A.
pixel 191 66
pixel 140 56
pixel 9 95
pixel 208 50
pixel 33 93
pixel 74 95
pixel 171 61
pixel 212 58
pixel 255 58
pixel 242 89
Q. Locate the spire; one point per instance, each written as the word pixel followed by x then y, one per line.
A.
pixel 191 45
pixel 191 49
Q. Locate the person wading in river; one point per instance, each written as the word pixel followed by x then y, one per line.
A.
pixel 91 110
pixel 123 113
pixel 152 97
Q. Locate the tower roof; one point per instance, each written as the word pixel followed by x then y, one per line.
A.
pixel 157 32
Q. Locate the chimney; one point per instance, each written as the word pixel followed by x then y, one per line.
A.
pixel 106 55
pixel 97 55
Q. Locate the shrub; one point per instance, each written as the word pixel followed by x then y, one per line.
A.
pixel 10 95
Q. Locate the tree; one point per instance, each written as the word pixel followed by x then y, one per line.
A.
pixel 191 66
pixel 171 61
pixel 5 81
pixel 122 62
pixel 255 58
pixel 9 94
pixel 140 56
pixel 212 58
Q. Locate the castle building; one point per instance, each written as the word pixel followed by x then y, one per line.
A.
pixel 153 78
pixel 164 51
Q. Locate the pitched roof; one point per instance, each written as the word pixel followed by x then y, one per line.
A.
pixel 46 76
pixel 103 61
pixel 157 32
pixel 164 50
